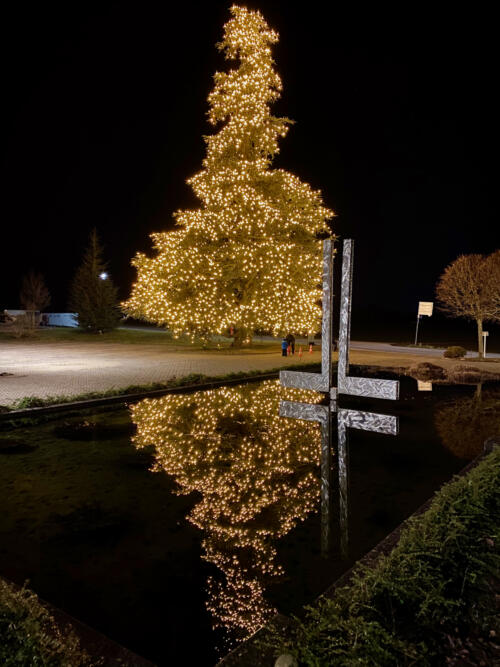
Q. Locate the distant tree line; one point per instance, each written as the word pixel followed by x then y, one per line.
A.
pixel 93 297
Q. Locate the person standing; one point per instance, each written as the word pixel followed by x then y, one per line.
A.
pixel 290 339
pixel 284 347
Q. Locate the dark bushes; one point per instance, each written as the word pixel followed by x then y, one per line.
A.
pixel 29 634
pixel 430 602
pixel 455 352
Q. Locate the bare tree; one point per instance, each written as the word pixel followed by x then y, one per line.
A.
pixel 494 263
pixel 34 294
pixel 470 287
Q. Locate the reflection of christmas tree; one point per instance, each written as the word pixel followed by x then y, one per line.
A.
pixel 255 473
pixel 464 423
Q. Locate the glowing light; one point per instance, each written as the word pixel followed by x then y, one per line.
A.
pixel 256 476
pixel 103 275
pixel 249 257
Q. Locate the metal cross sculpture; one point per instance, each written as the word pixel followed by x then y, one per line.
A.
pixel 354 386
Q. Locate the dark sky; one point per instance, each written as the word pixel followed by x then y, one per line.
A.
pixel 104 110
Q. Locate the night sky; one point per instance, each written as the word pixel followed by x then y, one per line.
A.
pixel 104 108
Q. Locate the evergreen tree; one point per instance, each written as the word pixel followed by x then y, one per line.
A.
pixel 249 257
pixel 93 295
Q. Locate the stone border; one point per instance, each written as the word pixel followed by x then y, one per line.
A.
pixel 250 653
pixel 130 398
pixel 151 393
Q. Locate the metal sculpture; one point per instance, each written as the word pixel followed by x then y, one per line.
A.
pixel 354 386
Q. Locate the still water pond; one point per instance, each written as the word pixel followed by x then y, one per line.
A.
pixel 180 526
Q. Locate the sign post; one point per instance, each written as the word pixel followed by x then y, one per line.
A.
pixel 424 308
pixel 485 335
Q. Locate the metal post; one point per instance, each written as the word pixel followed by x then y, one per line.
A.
pixel 343 486
pixel 327 302
pixel 326 440
pixel 484 345
pixel 416 331
pixel 345 310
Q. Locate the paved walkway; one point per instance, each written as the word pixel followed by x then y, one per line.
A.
pixel 54 369
pixel 418 351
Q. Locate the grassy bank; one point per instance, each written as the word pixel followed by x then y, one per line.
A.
pixel 431 601
pixel 126 336
pixel 29 634
pixel 75 335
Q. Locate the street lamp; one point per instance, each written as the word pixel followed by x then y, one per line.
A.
pixel 485 334
pixel 103 275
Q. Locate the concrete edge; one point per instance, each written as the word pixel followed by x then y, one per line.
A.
pixel 126 398
pixel 249 653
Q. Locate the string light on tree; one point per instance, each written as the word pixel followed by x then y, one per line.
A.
pixel 255 475
pixel 250 256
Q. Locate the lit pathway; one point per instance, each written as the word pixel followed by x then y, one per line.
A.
pixel 53 369
pixel 75 368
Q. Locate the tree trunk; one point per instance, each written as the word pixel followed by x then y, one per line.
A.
pixel 480 337
pixel 240 336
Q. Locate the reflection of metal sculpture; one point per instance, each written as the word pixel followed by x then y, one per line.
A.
pixel 368 387
pixel 254 475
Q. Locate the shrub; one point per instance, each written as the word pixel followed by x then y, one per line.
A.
pixel 427 372
pixel 430 597
pixel 29 634
pixel 455 352
pixel 24 326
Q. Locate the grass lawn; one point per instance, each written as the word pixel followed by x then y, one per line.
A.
pixel 129 337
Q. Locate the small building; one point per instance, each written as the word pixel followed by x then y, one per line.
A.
pixel 45 319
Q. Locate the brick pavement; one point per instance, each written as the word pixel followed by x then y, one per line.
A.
pixel 53 369
pixel 75 368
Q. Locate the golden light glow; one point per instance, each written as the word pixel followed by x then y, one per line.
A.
pixel 249 256
pixel 256 475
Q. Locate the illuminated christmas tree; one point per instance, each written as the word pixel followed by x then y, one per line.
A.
pixel 250 256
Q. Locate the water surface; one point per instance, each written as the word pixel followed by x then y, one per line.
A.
pixel 179 527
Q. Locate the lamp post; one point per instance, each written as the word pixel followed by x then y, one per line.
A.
pixel 485 335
